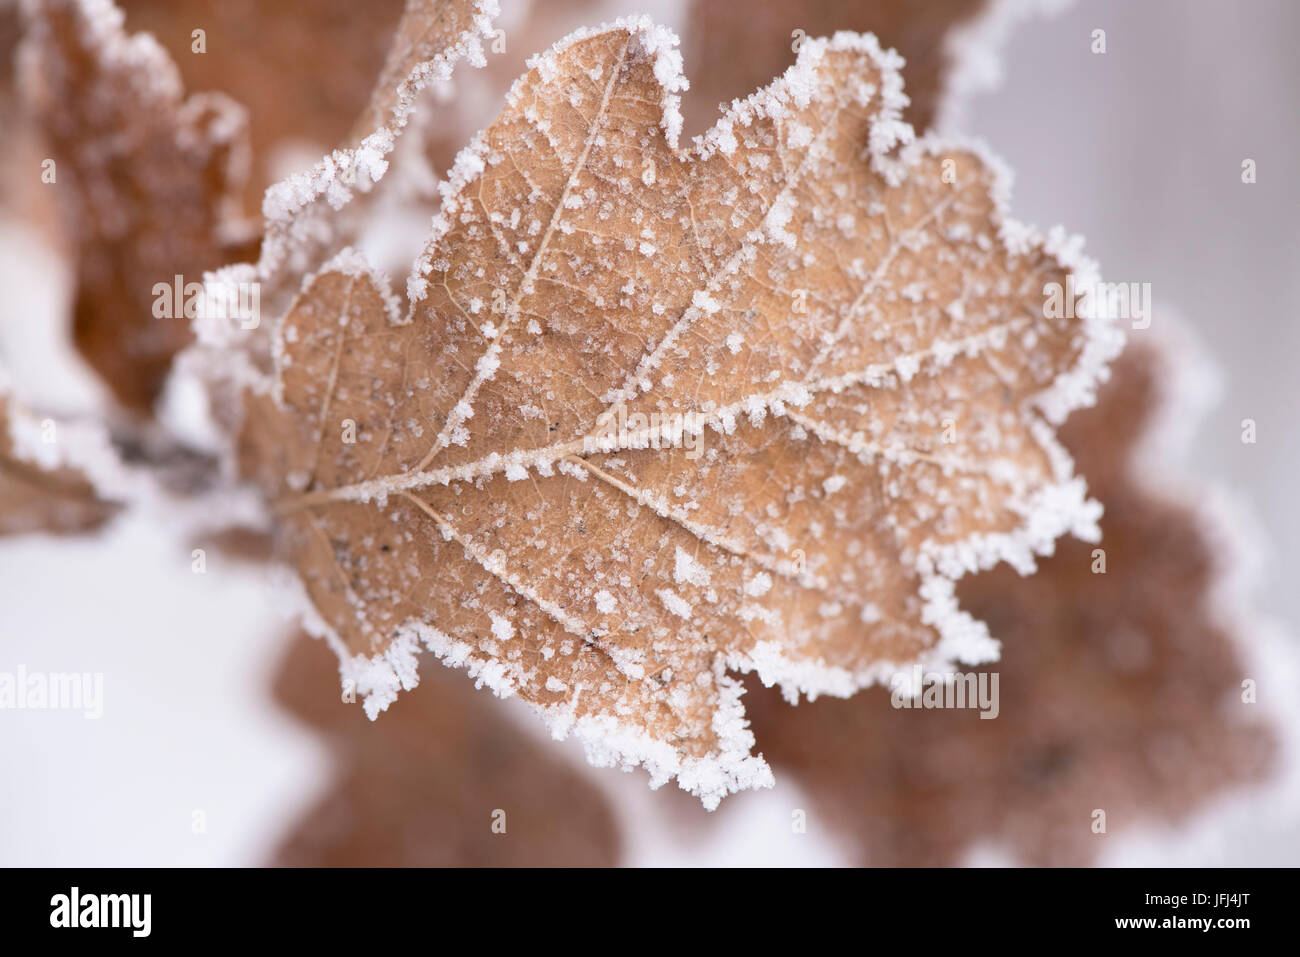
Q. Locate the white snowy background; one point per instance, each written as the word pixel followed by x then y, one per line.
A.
pixel 1140 149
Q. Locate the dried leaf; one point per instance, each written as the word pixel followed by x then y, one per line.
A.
pixel 149 180
pixel 427 31
pixel 301 68
pixel 42 489
pixel 734 47
pixel 1118 691
pixel 432 38
pixel 425 786
pixel 818 304
pixel 20 160
pixel 66 474
pixel 447 123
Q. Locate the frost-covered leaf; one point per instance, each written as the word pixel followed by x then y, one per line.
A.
pixel 428 30
pixel 432 38
pixel 448 122
pixel 733 47
pixel 843 345
pixel 437 783
pixel 70 473
pixel 43 486
pixel 302 69
pixel 148 178
pixel 1118 690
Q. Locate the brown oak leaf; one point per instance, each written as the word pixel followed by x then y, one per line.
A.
pixel 657 414
pixel 1117 691
pixel 425 786
pixel 150 181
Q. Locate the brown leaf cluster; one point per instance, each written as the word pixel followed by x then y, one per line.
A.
pixel 843 325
